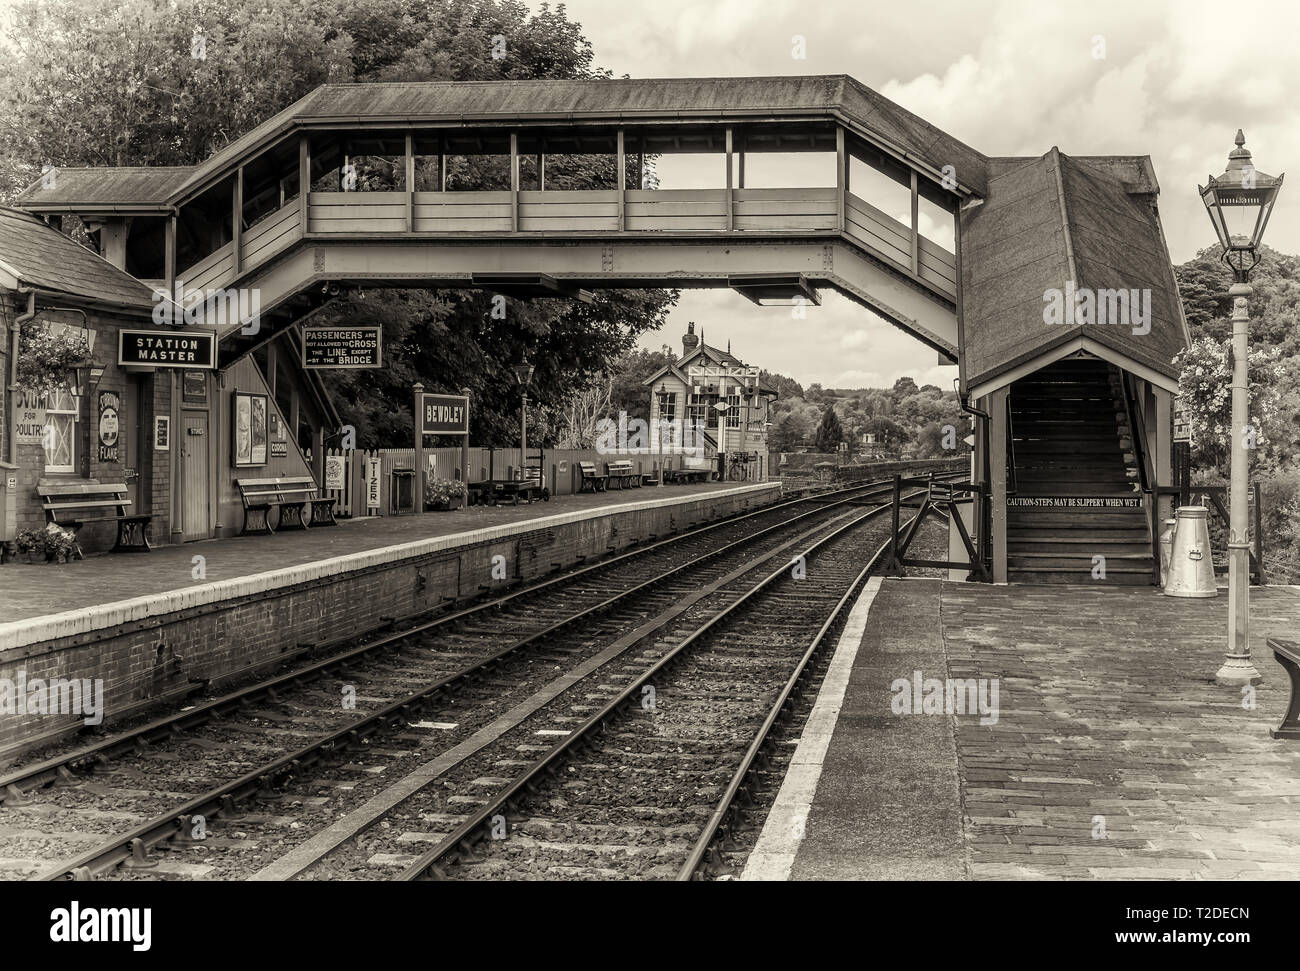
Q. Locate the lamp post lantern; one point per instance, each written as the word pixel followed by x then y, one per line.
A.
pixel 523 374
pixel 1239 203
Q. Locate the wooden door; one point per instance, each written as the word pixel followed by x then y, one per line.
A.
pixel 196 484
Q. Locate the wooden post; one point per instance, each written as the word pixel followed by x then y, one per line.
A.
pixel 731 218
pixel 112 241
pixel 410 182
pixel 442 165
pixel 169 256
pixel 622 182
pixel 1164 433
pixel 514 181
pixel 541 171
pixel 916 227
pixel 417 412
pixel 961 317
pixel 272 366
pixel 740 162
pixel 237 221
pixel 998 473
pixel 841 179
pixel 304 186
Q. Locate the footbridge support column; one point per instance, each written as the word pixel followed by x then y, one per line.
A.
pixel 997 410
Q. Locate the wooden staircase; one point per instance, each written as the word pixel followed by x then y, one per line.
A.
pixel 1070 438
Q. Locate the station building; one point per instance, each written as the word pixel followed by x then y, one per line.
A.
pixel 127 408
pixel 712 389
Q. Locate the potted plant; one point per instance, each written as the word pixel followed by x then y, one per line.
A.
pixel 444 494
pixel 58 544
pixel 28 541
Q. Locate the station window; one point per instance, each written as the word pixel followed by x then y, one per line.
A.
pixel 668 407
pixel 733 409
pixel 697 408
pixel 61 435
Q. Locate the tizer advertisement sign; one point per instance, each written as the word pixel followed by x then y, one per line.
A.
pixel 444 414
pixel 167 348
pixel 342 347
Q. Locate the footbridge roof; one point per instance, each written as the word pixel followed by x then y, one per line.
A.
pixel 547 102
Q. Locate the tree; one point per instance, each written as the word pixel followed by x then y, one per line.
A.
pixel 629 392
pixel 829 432
pixel 143 82
pixel 1205 390
pixel 904 386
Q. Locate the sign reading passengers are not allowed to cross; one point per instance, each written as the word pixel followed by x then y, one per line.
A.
pixel 342 347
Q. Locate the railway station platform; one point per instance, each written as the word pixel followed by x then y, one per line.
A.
pixel 154 626
pixel 1107 751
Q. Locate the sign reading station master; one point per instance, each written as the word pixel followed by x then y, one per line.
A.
pixel 444 414
pixel 162 348
pixel 342 347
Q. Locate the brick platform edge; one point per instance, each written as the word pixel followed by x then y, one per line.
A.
pixel 150 650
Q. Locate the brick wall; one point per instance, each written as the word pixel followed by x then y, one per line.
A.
pixel 31 458
pixel 158 658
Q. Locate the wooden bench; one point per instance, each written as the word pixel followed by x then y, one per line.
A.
pixel 72 498
pixel 591 479
pixel 1288 655
pixel 289 495
pixel 621 472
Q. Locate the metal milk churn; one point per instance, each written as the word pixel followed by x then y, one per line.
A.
pixel 1166 542
pixel 1191 567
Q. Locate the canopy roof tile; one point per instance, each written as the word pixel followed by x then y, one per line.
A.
pixel 45 258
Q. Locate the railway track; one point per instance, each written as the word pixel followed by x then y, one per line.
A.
pixel 471 792
pixel 644 792
pixel 454 669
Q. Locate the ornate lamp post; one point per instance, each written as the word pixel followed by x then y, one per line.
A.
pixel 1239 203
pixel 523 374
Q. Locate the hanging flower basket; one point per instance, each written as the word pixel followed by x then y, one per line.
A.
pixel 46 360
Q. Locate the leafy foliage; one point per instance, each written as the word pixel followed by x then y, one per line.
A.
pixel 1205 387
pixel 46 359
pixel 143 82
pixel 829 432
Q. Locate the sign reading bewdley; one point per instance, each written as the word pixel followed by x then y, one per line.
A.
pixel 444 414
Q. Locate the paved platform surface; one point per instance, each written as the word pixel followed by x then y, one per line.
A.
pixel 1114 754
pixel 33 590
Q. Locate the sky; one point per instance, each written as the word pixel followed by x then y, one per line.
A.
pixel 1173 79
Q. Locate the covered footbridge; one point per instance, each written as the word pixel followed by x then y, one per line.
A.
pixel 553 188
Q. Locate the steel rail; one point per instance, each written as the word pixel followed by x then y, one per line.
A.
pixel 15 784
pixel 698 852
pixel 136 842
pixel 471 831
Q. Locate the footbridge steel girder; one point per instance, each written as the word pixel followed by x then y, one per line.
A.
pixel 598 264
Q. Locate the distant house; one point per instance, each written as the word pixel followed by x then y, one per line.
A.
pixel 713 390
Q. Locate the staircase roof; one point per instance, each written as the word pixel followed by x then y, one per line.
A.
pixel 1056 220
